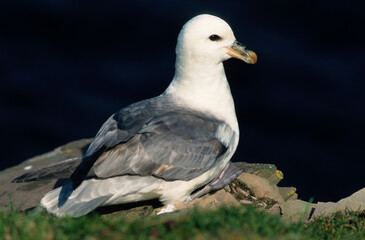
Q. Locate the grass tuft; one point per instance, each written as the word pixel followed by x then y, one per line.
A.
pixel 223 223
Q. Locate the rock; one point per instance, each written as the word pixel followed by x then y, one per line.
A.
pixel 321 207
pixel 245 202
pixel 267 171
pixel 256 186
pixel 275 209
pixel 355 202
pixel 261 187
pixel 288 193
pixel 211 201
pixel 296 210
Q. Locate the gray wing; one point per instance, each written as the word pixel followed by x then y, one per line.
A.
pixel 58 170
pixel 175 146
pixel 153 138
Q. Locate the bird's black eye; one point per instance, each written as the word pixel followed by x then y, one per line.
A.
pixel 214 37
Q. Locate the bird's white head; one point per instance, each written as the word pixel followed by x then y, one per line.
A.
pixel 207 39
pixel 200 82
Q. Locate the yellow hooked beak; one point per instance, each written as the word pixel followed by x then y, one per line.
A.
pixel 237 50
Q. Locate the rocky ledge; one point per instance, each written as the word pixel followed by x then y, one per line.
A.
pixel 257 186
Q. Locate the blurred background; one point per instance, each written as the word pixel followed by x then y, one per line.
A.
pixel 65 67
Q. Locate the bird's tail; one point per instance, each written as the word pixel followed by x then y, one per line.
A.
pixel 93 193
pixel 64 201
pixel 62 169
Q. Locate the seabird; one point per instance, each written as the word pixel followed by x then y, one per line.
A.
pixel 168 146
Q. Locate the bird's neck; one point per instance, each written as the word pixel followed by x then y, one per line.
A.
pixel 204 87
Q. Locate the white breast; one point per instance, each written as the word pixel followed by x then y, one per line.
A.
pixel 205 91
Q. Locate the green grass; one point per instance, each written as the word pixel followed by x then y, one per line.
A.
pixel 223 223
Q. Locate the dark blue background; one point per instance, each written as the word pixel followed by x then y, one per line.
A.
pixel 66 67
